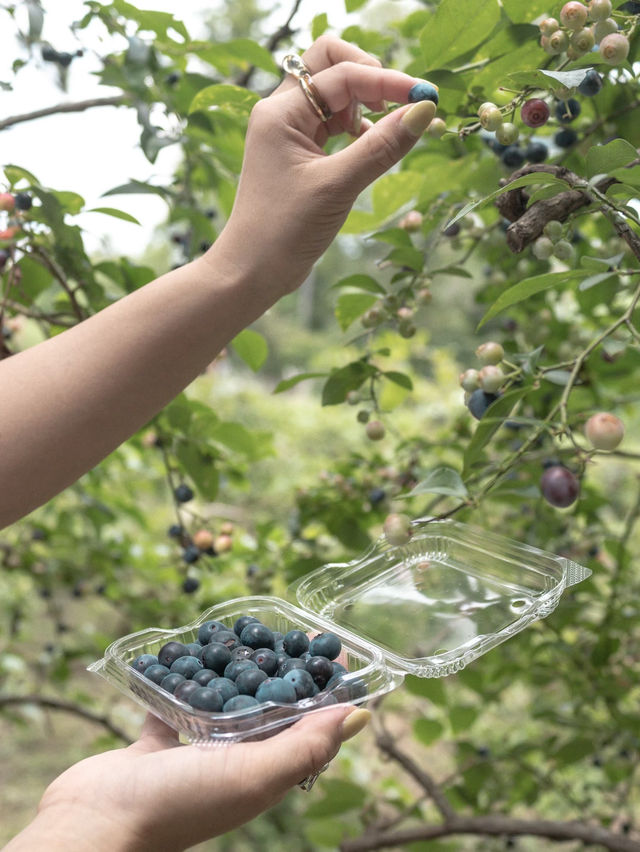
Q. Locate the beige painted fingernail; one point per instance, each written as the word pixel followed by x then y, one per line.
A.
pixel 418 117
pixel 354 723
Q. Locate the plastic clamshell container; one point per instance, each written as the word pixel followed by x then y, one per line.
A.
pixel 427 608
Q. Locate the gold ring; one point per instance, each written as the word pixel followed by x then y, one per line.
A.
pixel 292 64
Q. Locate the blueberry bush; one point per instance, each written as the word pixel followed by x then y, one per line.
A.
pixel 469 348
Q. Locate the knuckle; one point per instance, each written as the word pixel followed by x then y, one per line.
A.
pixel 382 150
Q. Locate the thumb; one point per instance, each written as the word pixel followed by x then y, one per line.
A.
pixel 383 145
pixel 306 747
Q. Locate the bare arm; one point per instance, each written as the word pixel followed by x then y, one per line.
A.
pixel 70 401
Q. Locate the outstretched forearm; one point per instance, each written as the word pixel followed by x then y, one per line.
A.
pixel 70 401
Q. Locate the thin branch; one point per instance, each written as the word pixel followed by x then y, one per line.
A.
pixel 274 40
pixel 75 106
pixel 66 707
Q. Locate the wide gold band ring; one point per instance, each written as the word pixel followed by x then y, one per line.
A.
pixel 292 64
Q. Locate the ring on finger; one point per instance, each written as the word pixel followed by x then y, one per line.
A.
pixel 293 64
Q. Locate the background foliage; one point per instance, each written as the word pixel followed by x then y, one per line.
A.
pixel 534 743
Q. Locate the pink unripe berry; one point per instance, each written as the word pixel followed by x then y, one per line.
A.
pixel 490 352
pixel 614 48
pixel 549 26
pixel 469 380
pixel 222 543
pixel 559 486
pixel 437 128
pixel 203 539
pixel 573 15
pixel 491 118
pixel 490 378
pixel 397 529
pixel 404 313
pixel 7 201
pixel 534 112
pixel 604 431
pixel 412 221
pixel 424 296
pixel 375 430
pixel 604 28
pixel 599 9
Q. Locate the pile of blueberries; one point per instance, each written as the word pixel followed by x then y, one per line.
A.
pixel 229 670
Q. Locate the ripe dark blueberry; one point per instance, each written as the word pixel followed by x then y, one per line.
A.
pixel 203 677
pixel 184 690
pixel 566 111
pixel 325 645
pixel 211 214
pixel 483 752
pixel 190 554
pixel 226 637
pixel 256 635
pixel 277 636
pixel 248 681
pixel 479 401
pixel 175 531
pixel 171 681
pixel 295 643
pixel 205 246
pixel 170 652
pixel 224 687
pixel 632 7
pixel 186 666
pixel 306 656
pixel 565 138
pixel 173 78
pixel 265 659
pixel 320 669
pixel 357 688
pixel 536 152
pixel 302 682
pixel 242 622
pixel 338 668
pixel 49 54
pixel 591 84
pixel 23 201
pixel 513 156
pixel 281 658
pixel 236 667
pixel 183 493
pixel 207 630
pixel 242 652
pixel 194 649
pixel 291 664
pixel 452 230
pixel 156 673
pixel 559 486
pixel 144 661
pixel 240 702
pixel 215 656
pixel 376 495
pixel 4 257
pixel 64 59
pixel 205 698
pixel 423 92
pixel 278 690
pixel 190 585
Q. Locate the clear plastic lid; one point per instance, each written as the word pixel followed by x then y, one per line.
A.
pixel 448 596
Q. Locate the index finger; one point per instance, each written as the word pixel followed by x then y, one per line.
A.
pixel 326 51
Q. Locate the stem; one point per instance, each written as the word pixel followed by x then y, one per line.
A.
pixel 77 106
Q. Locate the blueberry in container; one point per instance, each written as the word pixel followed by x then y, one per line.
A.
pixel 427 608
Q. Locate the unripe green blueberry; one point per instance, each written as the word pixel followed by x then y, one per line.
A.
pixel 373 317
pixel 406 328
pixel 544 44
pixel 542 248
pixel 563 250
pixel 424 296
pixel 583 40
pixel 599 10
pixel 390 301
pixel 604 431
pixel 490 378
pixel 485 105
pixel 397 529
pixel 375 430
pixel 353 397
pixel 614 48
pixel 491 118
pixel 507 133
pixel 558 41
pixel 573 15
pixel 437 128
pixel 469 380
pixel 363 416
pixel 604 28
pixel 553 229
pixel 490 352
pixel 549 26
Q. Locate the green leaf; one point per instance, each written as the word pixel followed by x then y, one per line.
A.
pixel 235 98
pixel 35 279
pixel 399 379
pixel 409 257
pixel 441 480
pixel 342 380
pixel 117 214
pixel 427 730
pixel 251 347
pixel 285 384
pixel 557 377
pixel 394 236
pixel 527 288
pixel 16 173
pixel 319 25
pixel 461 718
pixel 137 187
pixel 573 751
pixel 431 688
pixel 360 282
pixel 569 79
pixel 200 469
pixel 352 5
pixel 456 27
pixel 491 421
pixel 350 306
pixel 457 271
pixel 70 202
pixel 339 796
pixel 592 280
pixel 604 159
pixel 629 176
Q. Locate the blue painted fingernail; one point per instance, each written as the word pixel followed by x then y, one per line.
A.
pixel 423 92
